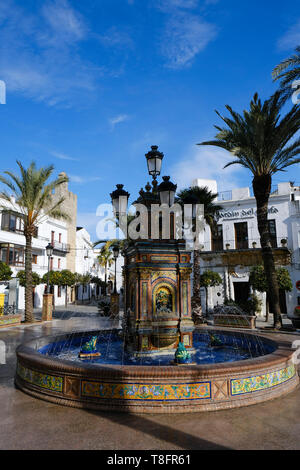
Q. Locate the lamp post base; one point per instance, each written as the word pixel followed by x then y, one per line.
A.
pixel 47 307
pixel 114 304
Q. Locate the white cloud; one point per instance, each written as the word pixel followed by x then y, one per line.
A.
pixel 43 60
pixel 118 119
pixel 185 36
pixel 207 163
pixel 63 156
pixel 186 33
pixel 291 38
pixel 66 25
pixel 83 179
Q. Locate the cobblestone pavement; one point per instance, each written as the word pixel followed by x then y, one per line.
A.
pixel 28 423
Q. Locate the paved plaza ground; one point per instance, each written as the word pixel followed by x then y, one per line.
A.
pixel 28 423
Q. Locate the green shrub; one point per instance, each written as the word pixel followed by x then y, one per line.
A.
pixel 5 272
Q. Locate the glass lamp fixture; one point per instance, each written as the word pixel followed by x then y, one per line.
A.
pixel 119 199
pixel 154 161
pixel 193 201
pixel 116 251
pixel 166 191
pixel 49 250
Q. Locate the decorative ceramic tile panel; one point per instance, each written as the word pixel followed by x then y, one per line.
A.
pixel 262 382
pixel 50 382
pixel 9 320
pixel 144 298
pixel 169 259
pixel 185 298
pixel 158 274
pixel 152 392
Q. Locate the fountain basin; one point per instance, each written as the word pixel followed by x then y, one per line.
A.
pixel 157 388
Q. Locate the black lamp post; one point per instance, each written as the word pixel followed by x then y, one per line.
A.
pixel 166 191
pixel 49 251
pixel 154 161
pixel 116 251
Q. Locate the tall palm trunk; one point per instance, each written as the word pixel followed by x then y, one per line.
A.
pixel 262 189
pixel 196 298
pixel 28 277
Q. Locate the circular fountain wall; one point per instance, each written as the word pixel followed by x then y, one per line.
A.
pixel 247 369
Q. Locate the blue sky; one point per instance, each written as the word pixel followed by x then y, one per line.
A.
pixel 92 84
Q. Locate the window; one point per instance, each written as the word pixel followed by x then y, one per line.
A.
pixel 52 237
pixel 241 235
pixel 12 222
pixel 272 232
pixel 217 238
pixel 58 291
pixel 34 259
pixel 12 255
pixel 59 237
pixel 58 263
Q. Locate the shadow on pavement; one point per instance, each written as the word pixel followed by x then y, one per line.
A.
pixel 159 431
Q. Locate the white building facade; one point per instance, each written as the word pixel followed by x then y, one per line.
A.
pixel 12 250
pixel 86 262
pixel 235 245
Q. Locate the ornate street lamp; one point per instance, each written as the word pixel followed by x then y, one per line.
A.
pixel 116 251
pixel 154 161
pixel 119 199
pixel 166 191
pixel 49 252
pixel 193 201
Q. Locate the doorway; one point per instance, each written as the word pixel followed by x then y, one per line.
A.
pixel 241 291
pixel 241 235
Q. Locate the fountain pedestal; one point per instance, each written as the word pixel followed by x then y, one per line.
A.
pixel 158 293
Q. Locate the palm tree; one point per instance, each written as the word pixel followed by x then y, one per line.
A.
pixel 33 198
pixel 261 142
pixel 287 72
pixel 199 195
pixel 106 259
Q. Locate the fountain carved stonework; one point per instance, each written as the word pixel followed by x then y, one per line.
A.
pixel 158 292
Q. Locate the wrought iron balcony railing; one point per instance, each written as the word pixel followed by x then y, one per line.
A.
pixel 61 247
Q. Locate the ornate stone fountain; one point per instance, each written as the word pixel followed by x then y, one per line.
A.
pixel 157 323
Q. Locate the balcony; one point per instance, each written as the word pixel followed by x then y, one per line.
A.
pixel 14 222
pixel 60 247
pixel 246 253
